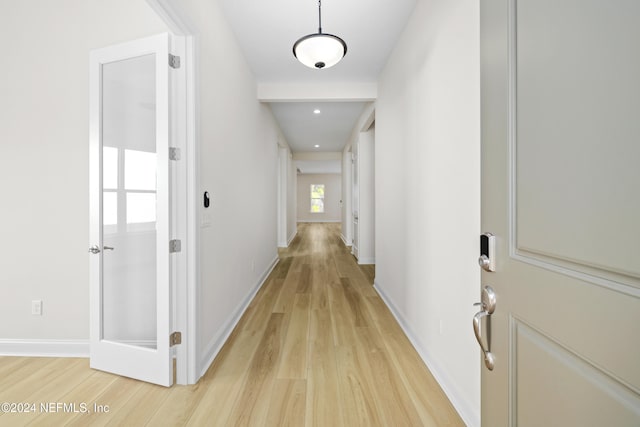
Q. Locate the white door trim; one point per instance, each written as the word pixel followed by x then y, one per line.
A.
pixel 188 272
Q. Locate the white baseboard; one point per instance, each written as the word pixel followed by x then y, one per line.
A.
pixel 366 260
pixel 344 240
pixel 215 345
pixel 44 348
pixel 293 236
pixel 470 416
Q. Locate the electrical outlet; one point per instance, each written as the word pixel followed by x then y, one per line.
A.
pixel 36 307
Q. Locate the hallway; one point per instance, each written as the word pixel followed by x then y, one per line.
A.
pixel 316 347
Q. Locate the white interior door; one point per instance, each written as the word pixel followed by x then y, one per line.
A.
pixel 130 215
pixel 560 190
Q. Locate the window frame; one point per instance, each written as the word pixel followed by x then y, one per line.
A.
pixel 122 192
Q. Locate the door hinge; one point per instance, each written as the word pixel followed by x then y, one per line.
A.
pixel 175 246
pixel 174 153
pixel 174 61
pixel 175 339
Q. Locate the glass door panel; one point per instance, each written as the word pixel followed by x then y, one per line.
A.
pixel 129 201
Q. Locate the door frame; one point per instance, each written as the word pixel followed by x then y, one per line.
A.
pixel 187 217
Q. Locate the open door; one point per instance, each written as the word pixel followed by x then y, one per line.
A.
pixel 560 193
pixel 130 210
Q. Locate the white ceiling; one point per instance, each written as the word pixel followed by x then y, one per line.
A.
pixel 330 129
pixel 266 32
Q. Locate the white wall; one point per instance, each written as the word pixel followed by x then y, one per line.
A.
pixel 44 129
pixel 428 193
pixel 332 197
pixel 238 166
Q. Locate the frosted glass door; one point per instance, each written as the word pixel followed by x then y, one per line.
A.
pixel 130 306
pixel 129 201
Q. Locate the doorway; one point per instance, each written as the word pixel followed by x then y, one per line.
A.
pixel 363 193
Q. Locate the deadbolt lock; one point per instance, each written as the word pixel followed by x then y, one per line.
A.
pixel 487 252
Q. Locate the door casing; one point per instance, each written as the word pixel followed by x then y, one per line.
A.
pixel 188 369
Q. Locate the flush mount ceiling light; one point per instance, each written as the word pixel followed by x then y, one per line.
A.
pixel 319 50
pixel 316 111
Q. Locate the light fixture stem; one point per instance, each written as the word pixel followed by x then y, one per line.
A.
pixel 319 18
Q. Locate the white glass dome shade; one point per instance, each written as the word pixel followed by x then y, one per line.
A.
pixel 320 50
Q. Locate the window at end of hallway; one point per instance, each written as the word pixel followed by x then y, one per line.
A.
pixel 317 198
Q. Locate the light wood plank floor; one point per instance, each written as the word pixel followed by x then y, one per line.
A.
pixel 316 347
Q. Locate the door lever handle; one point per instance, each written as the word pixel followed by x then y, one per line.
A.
pixel 488 306
pixel 95 249
pixel 107 248
pixel 489 359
